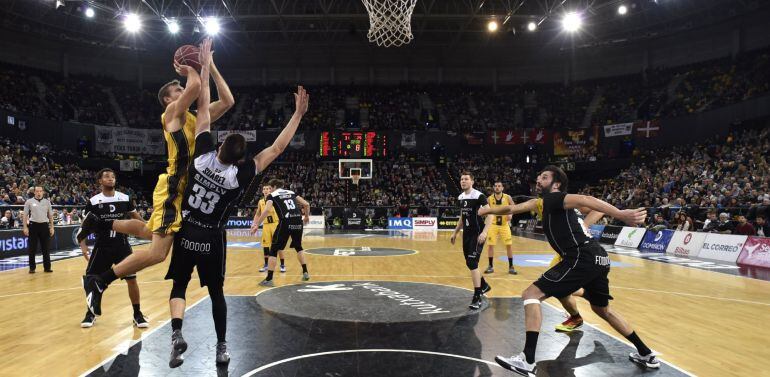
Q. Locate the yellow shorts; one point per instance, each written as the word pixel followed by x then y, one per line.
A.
pixel 267 234
pixel 502 231
pixel 167 199
pixel 556 259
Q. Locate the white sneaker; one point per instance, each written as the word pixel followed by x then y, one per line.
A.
pixel 263 269
pixel 283 268
pixel 649 361
pixel 518 364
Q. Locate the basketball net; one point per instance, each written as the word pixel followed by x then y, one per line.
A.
pixel 390 21
pixel 355 177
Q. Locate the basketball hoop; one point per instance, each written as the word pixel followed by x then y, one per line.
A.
pixel 390 21
pixel 355 176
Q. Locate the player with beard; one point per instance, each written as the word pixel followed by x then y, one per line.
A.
pixel 584 264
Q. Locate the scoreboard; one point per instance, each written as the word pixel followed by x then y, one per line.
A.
pixel 353 144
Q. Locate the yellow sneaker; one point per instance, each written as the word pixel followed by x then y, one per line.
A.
pixel 570 325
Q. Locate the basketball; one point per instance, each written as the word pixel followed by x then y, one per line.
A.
pixel 188 55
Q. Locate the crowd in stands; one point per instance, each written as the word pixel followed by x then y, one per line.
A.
pixel 26 165
pixel 715 186
pixel 655 93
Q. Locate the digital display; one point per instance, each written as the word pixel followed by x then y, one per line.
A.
pixel 353 144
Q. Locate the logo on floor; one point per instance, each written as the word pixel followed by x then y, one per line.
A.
pixel 373 302
pixel 359 251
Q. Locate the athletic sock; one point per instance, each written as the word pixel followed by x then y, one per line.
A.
pixel 476 292
pixel 304 268
pixel 510 262
pixel 176 324
pixel 108 276
pixel 491 261
pixel 266 261
pixel 640 346
pixel 282 262
pixel 483 282
pixel 136 308
pixel 530 345
pixel 269 275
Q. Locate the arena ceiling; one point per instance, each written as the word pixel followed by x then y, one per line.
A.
pixel 298 23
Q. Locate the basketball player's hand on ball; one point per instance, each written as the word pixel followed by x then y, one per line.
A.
pixel 301 99
pixel 182 70
pixel 633 217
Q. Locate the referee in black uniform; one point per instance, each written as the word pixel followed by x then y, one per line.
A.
pixel 38 226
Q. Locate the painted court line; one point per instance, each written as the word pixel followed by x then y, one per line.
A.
pixel 279 362
pixel 145 335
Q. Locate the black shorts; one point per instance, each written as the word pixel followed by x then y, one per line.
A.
pixel 570 275
pixel 104 256
pixel 201 248
pixel 471 246
pixel 281 237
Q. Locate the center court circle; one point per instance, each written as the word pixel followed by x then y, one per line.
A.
pixel 367 301
pixel 360 251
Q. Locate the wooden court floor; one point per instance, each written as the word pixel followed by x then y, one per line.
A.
pixel 707 323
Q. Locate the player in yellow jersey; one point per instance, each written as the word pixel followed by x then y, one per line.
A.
pixel 179 131
pixel 500 228
pixel 269 225
pixel 535 207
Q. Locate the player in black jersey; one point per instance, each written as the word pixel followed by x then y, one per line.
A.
pixel 217 182
pixel 111 247
pixel 475 230
pixel 584 264
pixel 293 212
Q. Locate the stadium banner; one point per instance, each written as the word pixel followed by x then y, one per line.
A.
pixel 297 141
pixel 621 129
pixel 128 140
pixel 722 247
pixel 610 234
pixel 235 222
pixel 354 218
pixel 13 242
pixel 647 129
pixel 756 252
pixel 400 223
pixel 570 142
pixel 474 138
pixel 447 222
pixel 409 140
pixel 686 244
pixel 630 237
pixel 249 135
pixel 518 137
pixel 316 222
pixel 656 242
pixel 424 223
pixel 596 231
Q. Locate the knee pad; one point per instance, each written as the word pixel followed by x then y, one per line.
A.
pixel 179 289
pixel 472 263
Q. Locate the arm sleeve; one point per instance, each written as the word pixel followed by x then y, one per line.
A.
pixel 204 143
pixel 131 205
pixel 247 170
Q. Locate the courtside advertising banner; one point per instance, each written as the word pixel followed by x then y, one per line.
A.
pixel 316 222
pixel 756 252
pixel 656 242
pixel 400 223
pixel 723 247
pixel 630 237
pixel 686 244
pixel 610 234
pixel 424 223
pixel 596 231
